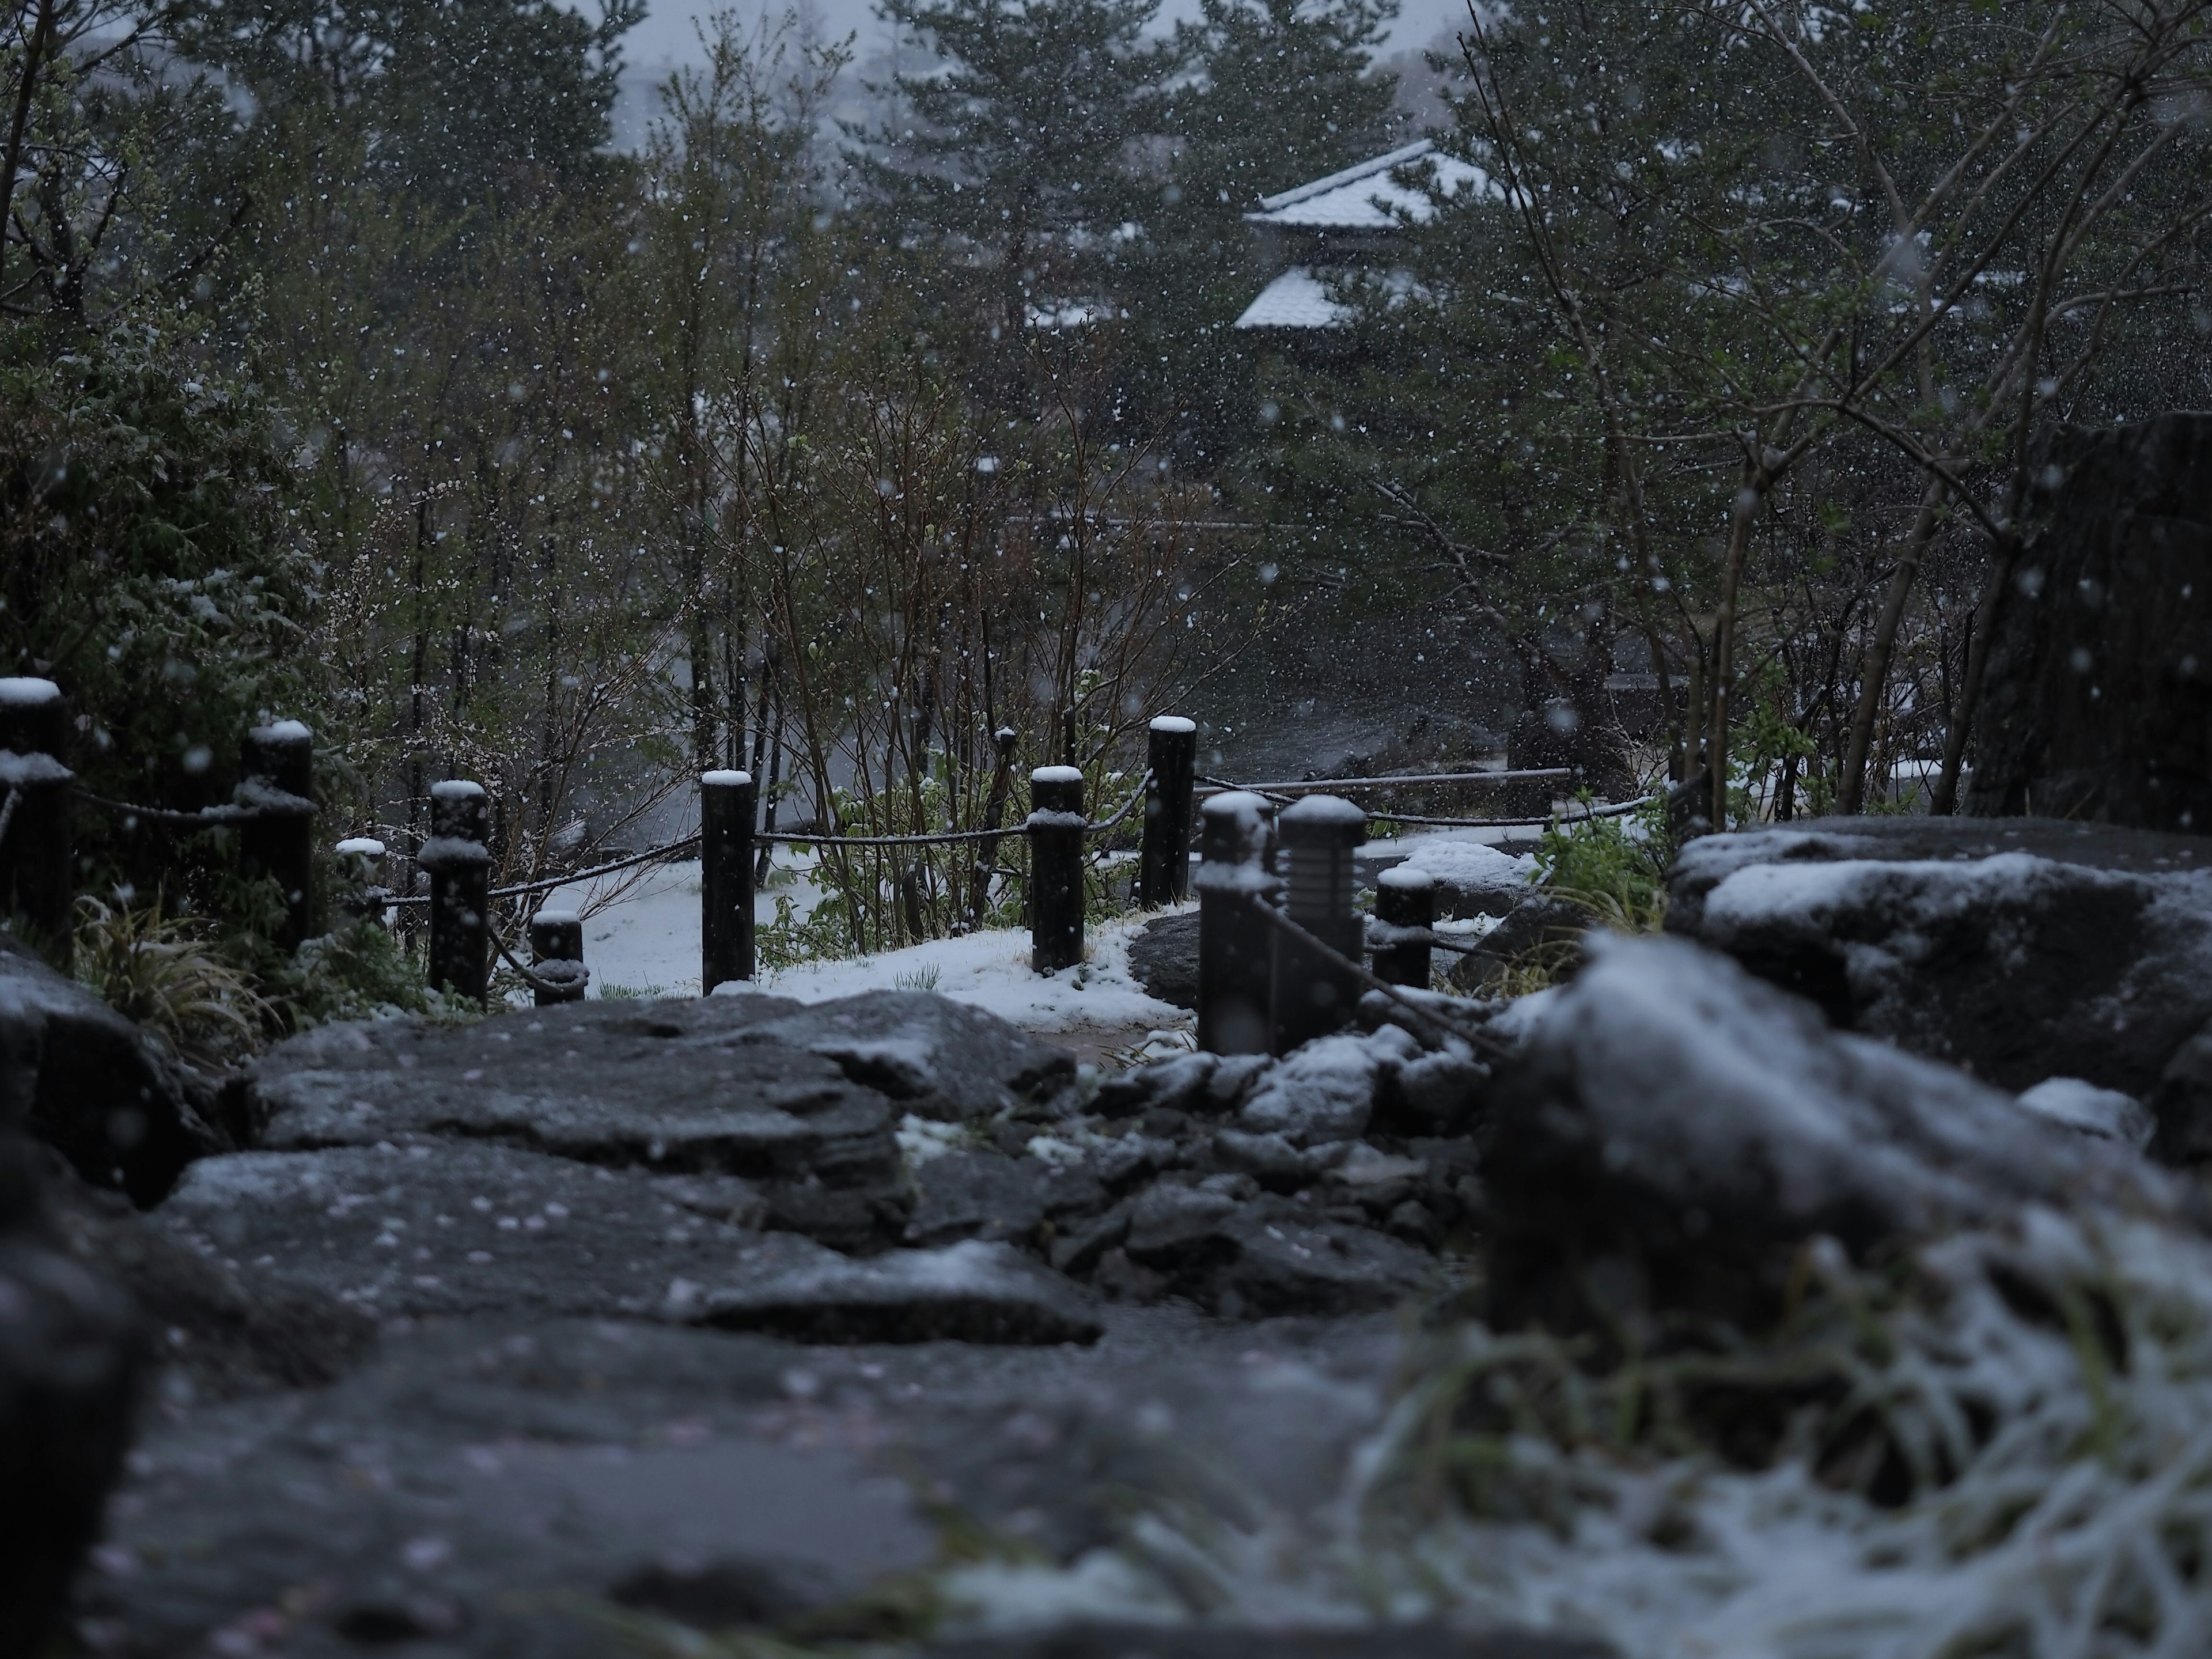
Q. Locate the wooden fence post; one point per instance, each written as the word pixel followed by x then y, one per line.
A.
pixel 1163 865
pixel 726 803
pixel 1404 899
pixel 461 884
pixel 37 879
pixel 1056 831
pixel 1313 995
pixel 1235 961
pixel 557 954
pixel 276 764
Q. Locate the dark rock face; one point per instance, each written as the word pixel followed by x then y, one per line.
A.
pixel 502 1488
pixel 1163 959
pixel 935 1057
pixel 2021 948
pixel 1391 1642
pixel 1535 922
pixel 706 1087
pixel 1674 1130
pixel 512 1332
pixel 972 1291
pixel 70 1358
pixel 2097 697
pixel 81 1077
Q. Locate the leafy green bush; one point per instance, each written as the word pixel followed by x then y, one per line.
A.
pixel 1615 868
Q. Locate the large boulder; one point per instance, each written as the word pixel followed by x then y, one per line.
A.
pixel 2018 949
pixel 1472 878
pixel 2097 695
pixel 70 1359
pixel 1163 959
pixel 81 1077
pixel 1674 1132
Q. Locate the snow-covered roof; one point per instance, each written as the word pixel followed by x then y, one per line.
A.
pixel 1297 299
pixel 1365 197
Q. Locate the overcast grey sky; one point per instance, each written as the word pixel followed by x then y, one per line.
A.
pixel 666 37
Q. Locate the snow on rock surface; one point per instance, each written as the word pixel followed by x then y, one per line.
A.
pixel 2105 1114
pixel 1669 1110
pixel 1326 1090
pixel 2021 948
pixel 1473 878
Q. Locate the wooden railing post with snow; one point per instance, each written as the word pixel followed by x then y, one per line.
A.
pixel 1163 866
pixel 1056 832
pixel 461 885
pixel 557 957
pixel 1405 903
pixel 726 803
pixel 1236 960
pixel 1314 995
pixel 36 882
pixel 276 770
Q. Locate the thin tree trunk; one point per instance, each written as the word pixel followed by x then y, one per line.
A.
pixel 1875 676
pixel 11 162
pixel 1945 800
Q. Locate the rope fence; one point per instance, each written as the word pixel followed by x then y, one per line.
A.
pixel 1295 938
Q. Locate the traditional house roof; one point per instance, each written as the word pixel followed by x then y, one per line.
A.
pixel 1365 197
pixel 1343 225
pixel 1297 299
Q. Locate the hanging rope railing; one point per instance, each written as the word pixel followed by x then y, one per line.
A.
pixel 690 843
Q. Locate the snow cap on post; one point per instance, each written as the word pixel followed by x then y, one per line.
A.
pixel 1173 723
pixel 24 691
pixel 1057 774
pixel 1323 821
pixel 360 847
pixel 1405 878
pixel 725 780
pixel 456 789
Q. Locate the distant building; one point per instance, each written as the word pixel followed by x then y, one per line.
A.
pixel 1337 227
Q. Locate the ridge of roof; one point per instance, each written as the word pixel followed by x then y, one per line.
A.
pixel 1350 175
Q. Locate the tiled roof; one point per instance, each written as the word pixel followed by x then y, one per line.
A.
pixel 1365 197
pixel 1297 299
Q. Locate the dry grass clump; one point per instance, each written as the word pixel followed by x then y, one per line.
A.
pixel 170 975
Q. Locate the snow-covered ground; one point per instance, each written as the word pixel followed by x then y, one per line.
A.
pixel 643 939
pixel 645 942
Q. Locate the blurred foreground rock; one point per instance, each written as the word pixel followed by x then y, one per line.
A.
pixel 81 1077
pixel 1674 1132
pixel 70 1358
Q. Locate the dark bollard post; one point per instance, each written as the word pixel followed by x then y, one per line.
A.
pixel 1236 945
pixel 557 957
pixel 276 768
pixel 1405 901
pixel 1314 994
pixel 461 885
pixel 37 883
pixel 361 869
pixel 726 803
pixel 1163 865
pixel 1056 831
